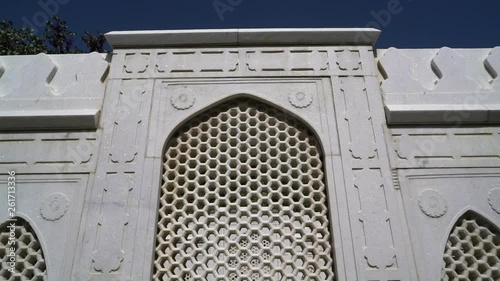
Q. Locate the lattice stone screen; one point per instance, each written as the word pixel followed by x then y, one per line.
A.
pixel 472 251
pixel 30 262
pixel 243 198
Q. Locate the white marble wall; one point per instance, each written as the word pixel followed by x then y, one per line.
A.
pixel 395 127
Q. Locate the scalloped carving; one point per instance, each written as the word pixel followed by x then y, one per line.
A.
pixel 300 99
pixel 54 206
pixel 136 63
pixel 494 199
pixel 183 99
pixel 432 203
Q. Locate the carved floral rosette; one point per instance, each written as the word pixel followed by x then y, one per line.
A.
pixel 183 99
pixel 54 206
pixel 432 203
pixel 300 99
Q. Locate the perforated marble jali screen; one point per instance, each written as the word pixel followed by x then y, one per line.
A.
pixel 243 198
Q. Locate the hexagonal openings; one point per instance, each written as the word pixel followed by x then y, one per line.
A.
pixel 472 251
pixel 30 262
pixel 243 198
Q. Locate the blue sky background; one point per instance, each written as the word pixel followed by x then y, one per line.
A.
pixel 413 24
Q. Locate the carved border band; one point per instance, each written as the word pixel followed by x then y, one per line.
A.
pixel 119 170
pixel 305 61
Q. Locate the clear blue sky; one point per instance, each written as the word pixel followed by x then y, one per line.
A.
pixel 412 23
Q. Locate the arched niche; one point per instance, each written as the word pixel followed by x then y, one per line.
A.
pixel 243 196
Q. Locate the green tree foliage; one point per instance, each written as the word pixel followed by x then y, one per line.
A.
pixel 95 43
pixel 56 39
pixel 58 36
pixel 21 41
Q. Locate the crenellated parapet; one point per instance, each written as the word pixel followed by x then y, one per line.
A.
pixel 52 91
pixel 440 86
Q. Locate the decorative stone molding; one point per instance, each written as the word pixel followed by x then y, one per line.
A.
pixel 288 60
pixel 54 206
pixel 22 76
pixel 494 199
pixel 243 37
pixel 249 61
pixel 136 62
pixel 116 189
pixel 368 177
pixel 183 99
pixel 300 99
pixel 359 119
pixel 440 86
pixel 450 194
pixel 395 179
pixel 54 92
pixel 378 250
pixel 454 147
pixel 348 60
pixel 195 61
pixel 432 203
pixel 492 64
pixel 74 152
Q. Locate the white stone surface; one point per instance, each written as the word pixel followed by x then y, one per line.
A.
pixel 68 86
pixel 408 144
pixel 243 37
pixel 440 86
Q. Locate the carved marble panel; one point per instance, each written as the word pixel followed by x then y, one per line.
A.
pixel 314 104
pixel 281 60
pixel 49 153
pixel 110 231
pixel 445 147
pixel 198 61
pixel 369 181
pixel 52 204
pixel 440 86
pixel 237 62
pixel 45 92
pixel 434 199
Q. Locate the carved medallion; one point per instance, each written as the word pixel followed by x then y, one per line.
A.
pixel 432 203
pixel 494 199
pixel 183 99
pixel 54 206
pixel 136 63
pixel 300 99
pixel 348 60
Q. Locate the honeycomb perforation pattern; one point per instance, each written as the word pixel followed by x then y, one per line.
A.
pixel 30 262
pixel 472 251
pixel 243 198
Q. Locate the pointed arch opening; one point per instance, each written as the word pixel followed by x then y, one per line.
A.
pixel 30 262
pixel 472 251
pixel 243 197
